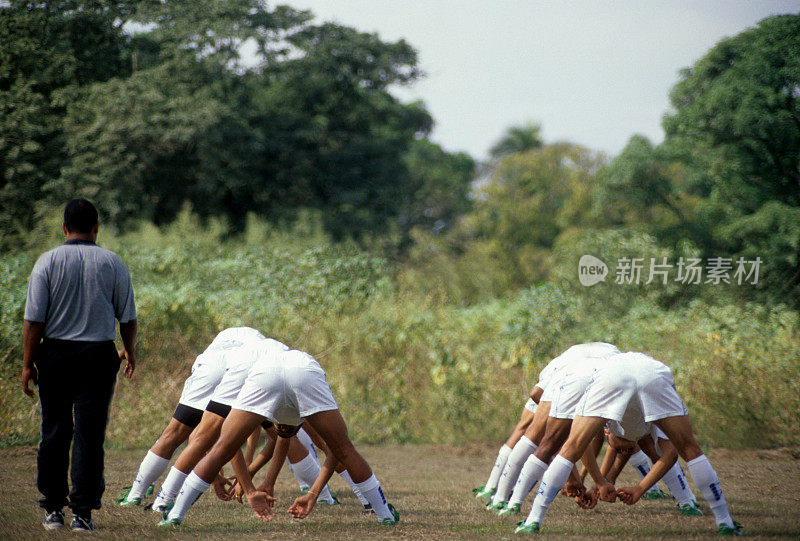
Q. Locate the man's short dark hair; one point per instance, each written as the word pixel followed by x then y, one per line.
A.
pixel 80 216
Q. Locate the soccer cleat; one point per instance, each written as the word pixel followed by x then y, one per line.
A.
pixel 391 522
pixel 690 509
pixel 160 509
pixel 507 511
pixel 54 520
pixel 335 500
pixel 499 506
pixel 368 510
pixel 303 490
pixel 728 530
pixel 476 491
pixel 169 523
pixel 150 490
pixel 484 493
pixel 81 524
pixel 533 527
pixel 655 494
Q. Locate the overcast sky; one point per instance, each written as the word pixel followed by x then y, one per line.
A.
pixel 590 72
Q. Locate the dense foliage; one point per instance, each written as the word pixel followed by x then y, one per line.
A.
pixel 296 194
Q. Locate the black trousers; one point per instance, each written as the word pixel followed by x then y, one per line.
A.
pixel 76 381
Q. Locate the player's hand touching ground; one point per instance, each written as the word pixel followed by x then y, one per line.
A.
pixel 587 500
pixel 262 503
pixel 630 495
pixel 223 488
pixel 303 505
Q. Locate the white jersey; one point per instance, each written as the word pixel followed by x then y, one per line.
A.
pixel 285 387
pixel 239 362
pixel 209 367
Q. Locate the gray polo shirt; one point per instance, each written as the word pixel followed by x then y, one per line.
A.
pixel 78 290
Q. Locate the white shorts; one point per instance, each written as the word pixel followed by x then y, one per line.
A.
pixel 234 337
pixel 240 361
pixel 631 377
pixel 285 388
pixel 530 405
pixel 552 374
pixel 207 372
pixel 567 393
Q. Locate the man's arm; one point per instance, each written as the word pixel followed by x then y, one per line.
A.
pixel 631 495
pixel 536 393
pixel 303 505
pixel 127 332
pixel 32 332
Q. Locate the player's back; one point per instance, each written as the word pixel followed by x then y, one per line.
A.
pixel 584 357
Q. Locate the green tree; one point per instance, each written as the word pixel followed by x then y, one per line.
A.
pixel 517 139
pixel 531 199
pixel 736 124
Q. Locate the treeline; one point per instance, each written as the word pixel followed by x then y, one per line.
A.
pixel 144 106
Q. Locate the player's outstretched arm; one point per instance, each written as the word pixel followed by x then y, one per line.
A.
pixel 631 495
pixel 605 489
pixel 303 505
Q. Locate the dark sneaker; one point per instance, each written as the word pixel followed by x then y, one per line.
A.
pixel 54 520
pixel 368 510
pixel 81 524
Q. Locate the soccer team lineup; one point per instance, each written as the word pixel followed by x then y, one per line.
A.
pixel 244 383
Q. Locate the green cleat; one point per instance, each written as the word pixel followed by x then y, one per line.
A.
pixel 508 511
pixel 150 490
pixel 304 491
pixel 169 523
pixel 533 527
pixel 123 500
pixel 389 521
pixel 727 530
pixel 656 494
pixel 499 506
pixel 690 509
pixel 485 493
pixel 479 490
pixel 326 502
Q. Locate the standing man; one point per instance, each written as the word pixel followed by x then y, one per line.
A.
pixel 75 294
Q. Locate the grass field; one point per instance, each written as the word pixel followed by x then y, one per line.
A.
pixel 430 486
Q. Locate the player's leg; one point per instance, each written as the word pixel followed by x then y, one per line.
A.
pixel 582 432
pixel 640 461
pixel 305 467
pixel 200 441
pixel 307 432
pixel 679 431
pixel 331 427
pixel 488 490
pixel 527 445
pixel 233 433
pixel 157 458
pixel 675 479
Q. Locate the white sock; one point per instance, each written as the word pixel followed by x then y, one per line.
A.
pixel 305 439
pixel 639 462
pixel 522 450
pixel 531 472
pixel 306 472
pixel 553 481
pixel 191 490
pixel 150 469
pixel 170 487
pixel 707 481
pixel 678 485
pixel 499 464
pixel 349 480
pixel 371 490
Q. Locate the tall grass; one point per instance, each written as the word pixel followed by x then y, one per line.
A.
pixel 406 362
